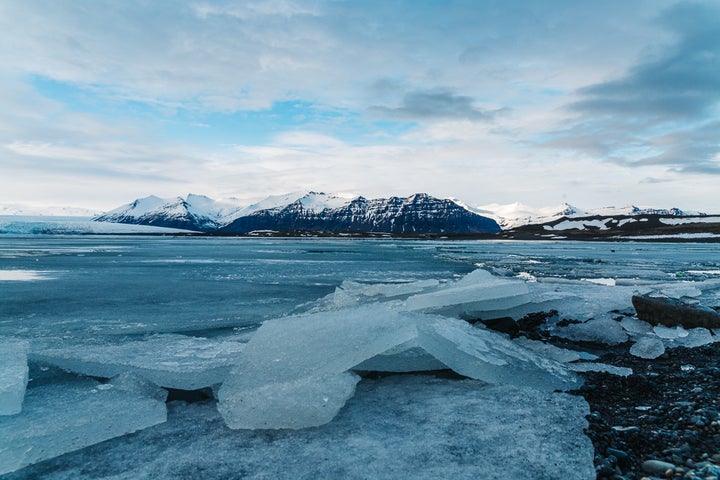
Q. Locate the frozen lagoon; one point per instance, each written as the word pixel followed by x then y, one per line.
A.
pixel 123 290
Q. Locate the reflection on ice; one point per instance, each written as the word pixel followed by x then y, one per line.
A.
pixel 24 275
pixel 13 374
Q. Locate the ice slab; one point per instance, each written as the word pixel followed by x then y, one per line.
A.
pixel 476 292
pixel 600 330
pixel 600 367
pixel 302 403
pixel 696 337
pixel 173 361
pixel 670 333
pixel 13 374
pixel 648 347
pixel 294 354
pixel 562 355
pixel 485 355
pixel 62 417
pixel 409 426
pixel 635 326
pixel 407 357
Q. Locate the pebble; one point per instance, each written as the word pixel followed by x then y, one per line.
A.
pixel 657 467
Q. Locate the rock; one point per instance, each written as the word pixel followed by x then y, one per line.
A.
pixel 503 325
pixel 657 467
pixel 672 312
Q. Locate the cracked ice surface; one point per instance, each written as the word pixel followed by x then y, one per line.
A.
pixel 409 426
pixel 62 417
pixel 13 374
pixel 299 361
pixel 174 361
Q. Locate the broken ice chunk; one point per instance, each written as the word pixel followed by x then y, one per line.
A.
pixel 477 291
pixel 306 402
pixel 13 374
pixel 407 357
pixel 648 347
pixel 62 417
pixel 173 361
pixel 485 355
pixel 669 333
pixel 562 355
pixel 599 330
pixel 696 337
pixel 130 382
pixel 636 326
pixel 600 367
pixel 294 355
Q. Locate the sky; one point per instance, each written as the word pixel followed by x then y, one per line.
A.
pixel 540 102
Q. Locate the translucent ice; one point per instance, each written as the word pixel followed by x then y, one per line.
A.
pixel 407 357
pixel 408 426
pixel 485 355
pixel 304 356
pixel 600 330
pixel 13 375
pixel 562 355
pixel 174 361
pixel 670 333
pixel 696 337
pixel 635 326
pixel 600 367
pixel 62 417
pixel 648 347
pixel 302 403
pixel 301 359
pixel 476 292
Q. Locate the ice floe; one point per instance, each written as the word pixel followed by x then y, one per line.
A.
pixel 169 360
pixel 13 374
pixel 62 417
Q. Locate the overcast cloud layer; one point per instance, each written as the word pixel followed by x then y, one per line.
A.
pixel 593 103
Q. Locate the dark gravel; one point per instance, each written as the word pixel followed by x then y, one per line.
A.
pixel 668 410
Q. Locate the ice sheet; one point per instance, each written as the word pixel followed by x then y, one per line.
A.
pixel 13 374
pixel 62 417
pixel 174 361
pixel 407 426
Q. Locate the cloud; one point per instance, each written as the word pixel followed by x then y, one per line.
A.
pixel 435 104
pixel 664 110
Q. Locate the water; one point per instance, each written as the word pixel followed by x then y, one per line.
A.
pixel 85 285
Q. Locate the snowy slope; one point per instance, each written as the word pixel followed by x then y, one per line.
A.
pixel 311 201
pixel 45 211
pixel 516 215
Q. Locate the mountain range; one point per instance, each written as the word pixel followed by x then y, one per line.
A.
pixel 307 212
pixel 418 214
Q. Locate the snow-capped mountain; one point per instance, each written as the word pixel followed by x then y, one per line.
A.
pixel 416 214
pixel 18 209
pixel 307 211
pixel 195 212
pixel 514 215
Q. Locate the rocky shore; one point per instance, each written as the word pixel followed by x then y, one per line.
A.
pixel 663 421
